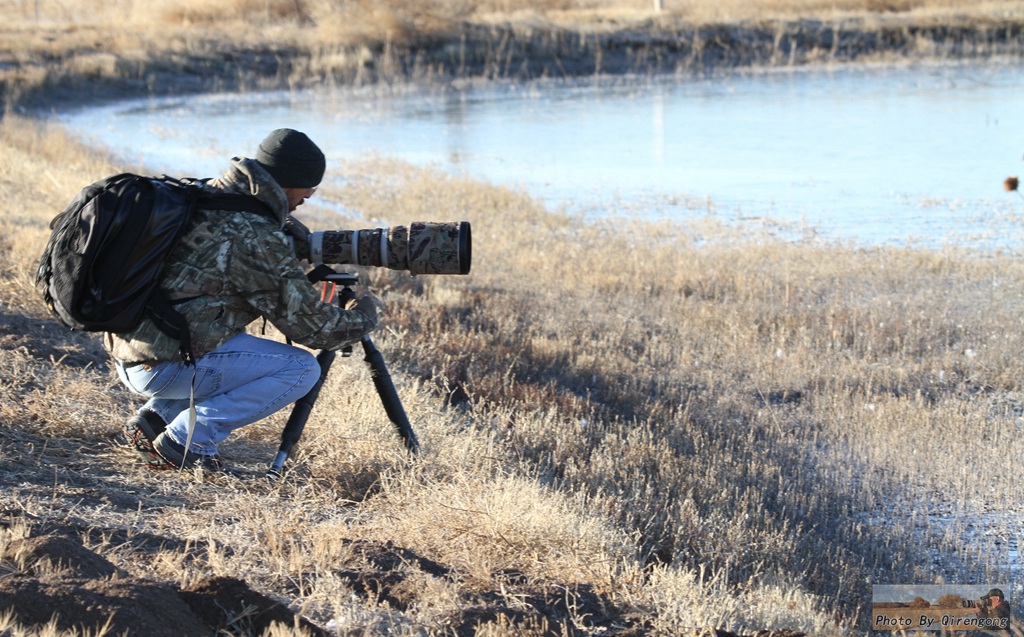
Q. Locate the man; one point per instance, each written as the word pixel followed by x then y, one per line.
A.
pixel 995 607
pixel 229 269
pixel 992 614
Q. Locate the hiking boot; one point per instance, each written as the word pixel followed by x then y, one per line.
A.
pixel 140 431
pixel 175 456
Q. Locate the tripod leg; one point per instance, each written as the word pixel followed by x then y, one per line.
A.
pixel 389 396
pixel 300 414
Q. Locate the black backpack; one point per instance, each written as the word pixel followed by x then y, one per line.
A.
pixel 100 271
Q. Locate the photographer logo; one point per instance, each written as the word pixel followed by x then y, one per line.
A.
pixel 940 607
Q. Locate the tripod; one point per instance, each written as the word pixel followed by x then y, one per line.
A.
pixel 378 371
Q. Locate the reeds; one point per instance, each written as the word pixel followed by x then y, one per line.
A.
pixel 115 49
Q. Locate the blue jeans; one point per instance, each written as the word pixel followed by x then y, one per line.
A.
pixel 244 380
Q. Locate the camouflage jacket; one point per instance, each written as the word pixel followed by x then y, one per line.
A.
pixel 231 268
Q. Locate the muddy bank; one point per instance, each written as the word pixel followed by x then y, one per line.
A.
pixel 54 578
pixel 506 52
pixel 497 53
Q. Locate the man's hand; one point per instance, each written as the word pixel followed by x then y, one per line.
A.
pixel 368 305
pixel 300 237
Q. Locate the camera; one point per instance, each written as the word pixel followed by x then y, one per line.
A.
pixel 975 603
pixel 422 247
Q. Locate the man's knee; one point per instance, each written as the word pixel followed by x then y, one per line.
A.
pixel 306 369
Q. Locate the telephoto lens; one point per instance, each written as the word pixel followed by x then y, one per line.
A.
pixel 423 247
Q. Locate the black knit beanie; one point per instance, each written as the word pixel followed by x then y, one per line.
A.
pixel 292 159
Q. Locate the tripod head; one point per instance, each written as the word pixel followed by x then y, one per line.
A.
pixel 346 279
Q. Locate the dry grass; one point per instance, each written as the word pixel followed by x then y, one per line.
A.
pixel 700 429
pixel 799 390
pixel 423 16
pixel 740 434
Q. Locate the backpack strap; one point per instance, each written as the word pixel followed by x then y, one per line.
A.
pixel 171 322
pixel 206 200
pixel 235 203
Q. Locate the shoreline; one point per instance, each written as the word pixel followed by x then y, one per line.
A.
pixel 507 52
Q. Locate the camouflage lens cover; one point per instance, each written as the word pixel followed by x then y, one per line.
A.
pixel 422 248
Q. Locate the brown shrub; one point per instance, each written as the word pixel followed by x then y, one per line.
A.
pixel 949 600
